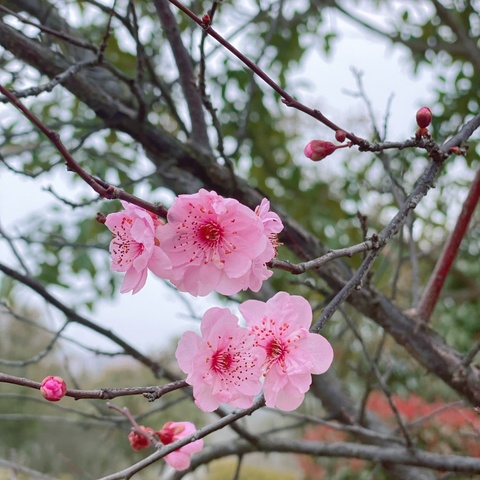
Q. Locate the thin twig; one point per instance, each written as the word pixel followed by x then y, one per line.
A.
pixel 469 356
pixel 186 74
pixel 152 438
pixel 287 99
pixel 15 467
pixel 40 355
pixel 108 393
pixel 316 263
pixel 73 316
pixel 203 432
pixel 102 188
pixel 373 366
pixel 49 86
pixel 61 35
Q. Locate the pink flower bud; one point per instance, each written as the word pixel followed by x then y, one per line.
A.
pixel 206 21
pixel 139 441
pixel 53 388
pixel 424 117
pixel 340 135
pixel 318 149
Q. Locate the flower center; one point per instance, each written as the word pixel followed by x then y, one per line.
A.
pixel 124 248
pixel 275 350
pixel 169 432
pixel 221 362
pixel 210 232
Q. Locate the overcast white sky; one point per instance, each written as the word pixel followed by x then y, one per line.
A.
pixel 152 317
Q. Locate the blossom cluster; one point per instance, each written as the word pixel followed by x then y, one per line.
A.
pixel 230 364
pixel 209 243
pixel 179 459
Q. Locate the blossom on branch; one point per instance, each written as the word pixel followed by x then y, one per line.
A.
pixel 173 431
pixel 223 365
pixel 424 117
pixel 138 441
pixel 272 224
pixel 293 354
pixel 317 150
pixel 135 248
pixel 216 244
pixel 53 388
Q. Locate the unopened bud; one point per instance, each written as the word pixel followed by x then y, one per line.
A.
pixel 206 19
pixel 340 135
pixel 53 388
pixel 139 441
pixel 318 149
pixel 424 117
pixel 457 150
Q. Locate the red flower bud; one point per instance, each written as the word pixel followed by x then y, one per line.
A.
pixel 206 20
pixel 53 388
pixel 424 117
pixel 318 149
pixel 139 441
pixel 457 150
pixel 340 135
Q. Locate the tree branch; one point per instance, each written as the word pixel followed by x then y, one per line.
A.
pixel 187 76
pixel 430 295
pixel 102 188
pixel 73 316
pixel 397 455
pixel 107 393
pixel 183 170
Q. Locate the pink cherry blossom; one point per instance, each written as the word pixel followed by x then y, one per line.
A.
pixel 293 354
pixel 53 388
pixel 272 224
pixel 135 248
pixel 271 221
pixel 223 364
pixel 173 431
pixel 212 243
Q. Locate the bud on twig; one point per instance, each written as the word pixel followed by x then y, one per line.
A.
pixel 319 149
pixel 458 150
pixel 424 117
pixel 340 135
pixel 207 21
pixel 53 388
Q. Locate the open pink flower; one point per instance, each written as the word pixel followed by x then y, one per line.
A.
pixel 271 221
pixel 53 388
pixel 135 249
pixel 293 354
pixel 223 365
pixel 173 431
pixel 212 243
pixel 258 272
